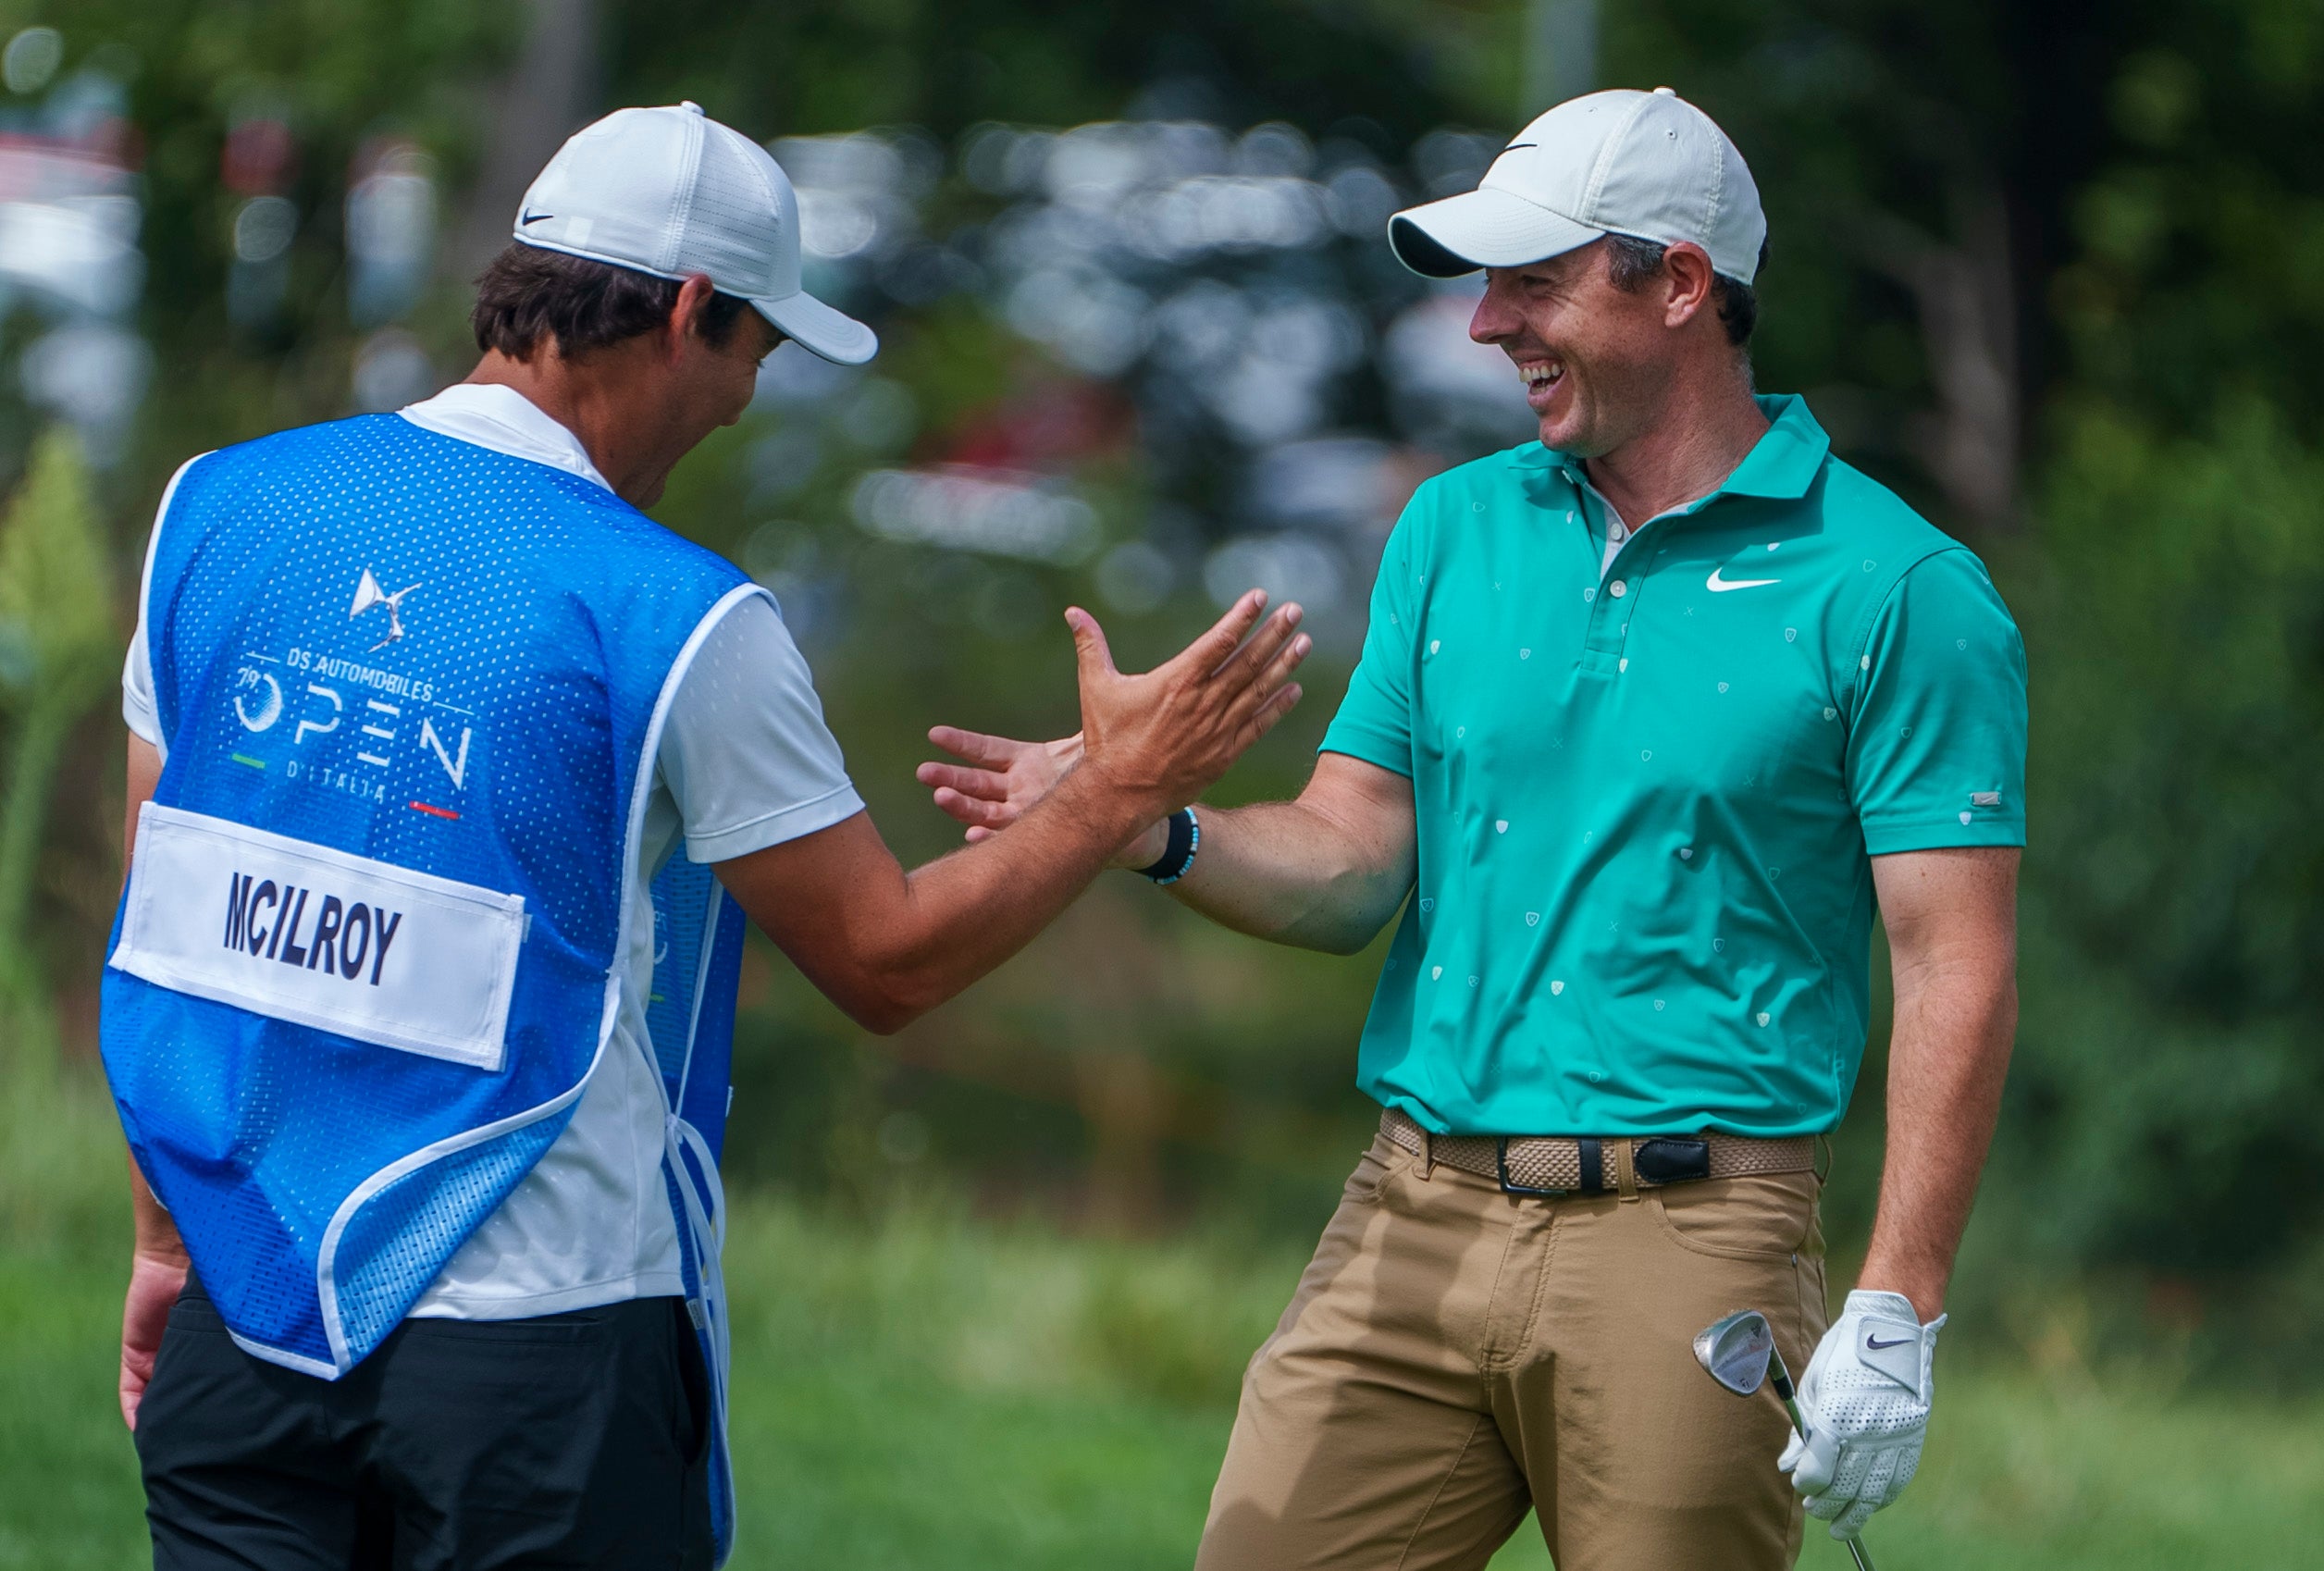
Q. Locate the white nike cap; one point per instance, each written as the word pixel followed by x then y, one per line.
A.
pixel 671 192
pixel 1646 165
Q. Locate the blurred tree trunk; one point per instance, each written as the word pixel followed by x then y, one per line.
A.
pixel 1127 1105
pixel 552 91
pixel 1115 979
pixel 1561 53
pixel 1966 292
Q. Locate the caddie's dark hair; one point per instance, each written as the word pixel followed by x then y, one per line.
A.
pixel 1630 262
pixel 584 306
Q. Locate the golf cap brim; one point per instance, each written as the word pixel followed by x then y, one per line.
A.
pixel 1484 227
pixel 833 334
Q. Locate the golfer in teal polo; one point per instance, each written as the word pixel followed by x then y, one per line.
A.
pixel 1650 780
pixel 1652 715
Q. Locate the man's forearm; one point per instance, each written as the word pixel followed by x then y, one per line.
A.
pixel 1955 1023
pixel 1296 874
pixel 156 1234
pixel 896 943
pixel 966 913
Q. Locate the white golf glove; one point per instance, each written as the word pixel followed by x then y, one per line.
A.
pixel 1865 1397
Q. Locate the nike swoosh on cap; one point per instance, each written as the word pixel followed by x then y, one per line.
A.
pixel 532 218
pixel 1717 584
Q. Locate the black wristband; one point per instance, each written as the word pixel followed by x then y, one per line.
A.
pixel 1178 854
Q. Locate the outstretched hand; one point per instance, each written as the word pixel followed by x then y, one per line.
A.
pixel 1164 734
pixel 1005 777
pixel 1008 777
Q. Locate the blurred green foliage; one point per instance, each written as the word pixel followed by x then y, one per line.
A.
pixel 2177 609
pixel 840 64
pixel 59 657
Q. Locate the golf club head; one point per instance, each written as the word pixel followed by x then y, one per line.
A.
pixel 1736 1350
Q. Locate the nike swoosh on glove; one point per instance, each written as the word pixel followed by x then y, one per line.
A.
pixel 1865 1398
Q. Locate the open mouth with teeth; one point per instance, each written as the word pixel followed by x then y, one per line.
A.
pixel 1541 379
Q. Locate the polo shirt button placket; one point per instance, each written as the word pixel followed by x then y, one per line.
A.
pixel 1609 624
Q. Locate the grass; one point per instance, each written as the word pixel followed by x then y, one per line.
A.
pixel 934 1393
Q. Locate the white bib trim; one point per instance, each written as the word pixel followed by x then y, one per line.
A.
pixel 301 932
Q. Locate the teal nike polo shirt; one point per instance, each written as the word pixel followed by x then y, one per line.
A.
pixel 1648 796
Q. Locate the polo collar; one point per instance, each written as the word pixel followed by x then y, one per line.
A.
pixel 494 416
pixel 1783 464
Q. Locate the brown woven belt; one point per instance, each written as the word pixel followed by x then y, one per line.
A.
pixel 1584 1165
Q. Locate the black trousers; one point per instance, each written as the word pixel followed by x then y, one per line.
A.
pixel 577 1439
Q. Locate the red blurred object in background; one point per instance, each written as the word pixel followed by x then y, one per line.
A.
pixel 258 157
pixel 1048 426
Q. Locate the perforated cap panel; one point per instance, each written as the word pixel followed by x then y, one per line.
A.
pixel 741 226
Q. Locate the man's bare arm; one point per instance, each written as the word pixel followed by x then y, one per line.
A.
pixel 887 946
pixel 158 1258
pixel 1323 872
pixel 1951 917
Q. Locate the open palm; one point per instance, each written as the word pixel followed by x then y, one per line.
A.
pixel 1001 779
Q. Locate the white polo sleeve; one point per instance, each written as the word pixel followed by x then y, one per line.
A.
pixel 746 756
pixel 139 708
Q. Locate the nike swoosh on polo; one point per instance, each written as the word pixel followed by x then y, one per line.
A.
pixel 1719 586
pixel 1875 1344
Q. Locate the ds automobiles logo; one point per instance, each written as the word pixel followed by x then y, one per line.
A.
pixel 369 595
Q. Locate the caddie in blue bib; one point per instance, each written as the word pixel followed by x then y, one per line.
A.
pixel 366 957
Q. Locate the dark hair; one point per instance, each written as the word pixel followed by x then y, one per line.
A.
pixel 1631 261
pixel 584 305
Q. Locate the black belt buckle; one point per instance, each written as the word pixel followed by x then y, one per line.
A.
pixel 1671 1159
pixel 1501 1159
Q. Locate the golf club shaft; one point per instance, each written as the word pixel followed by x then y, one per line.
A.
pixel 1855 1546
pixel 1799 1424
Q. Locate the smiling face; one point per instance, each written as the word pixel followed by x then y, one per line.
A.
pixel 1597 360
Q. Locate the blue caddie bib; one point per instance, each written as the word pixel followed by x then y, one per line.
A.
pixel 412 690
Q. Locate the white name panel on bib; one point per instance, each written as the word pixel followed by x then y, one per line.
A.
pixel 305 933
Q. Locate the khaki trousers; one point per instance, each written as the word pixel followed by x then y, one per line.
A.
pixel 1455 1355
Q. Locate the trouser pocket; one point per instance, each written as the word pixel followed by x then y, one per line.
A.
pixel 1761 1216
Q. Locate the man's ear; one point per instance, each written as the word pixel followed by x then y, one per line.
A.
pixel 686 314
pixel 1686 281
